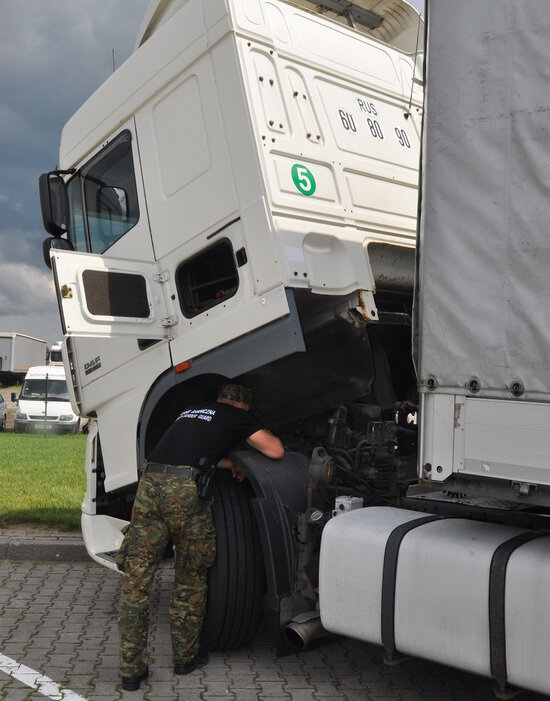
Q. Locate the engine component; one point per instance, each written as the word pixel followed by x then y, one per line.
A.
pixel 321 467
pixel 343 504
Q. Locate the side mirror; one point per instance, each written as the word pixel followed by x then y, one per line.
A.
pixel 58 243
pixel 54 203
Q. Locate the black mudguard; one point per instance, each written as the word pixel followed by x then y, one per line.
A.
pixel 280 489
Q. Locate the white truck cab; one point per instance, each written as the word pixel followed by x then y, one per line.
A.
pixel 43 404
pixel 56 357
pixel 239 200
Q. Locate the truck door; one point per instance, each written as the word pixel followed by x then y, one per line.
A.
pixel 115 318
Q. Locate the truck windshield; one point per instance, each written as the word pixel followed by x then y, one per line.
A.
pixel 103 198
pixel 36 390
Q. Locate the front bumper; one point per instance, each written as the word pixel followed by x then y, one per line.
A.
pixel 57 427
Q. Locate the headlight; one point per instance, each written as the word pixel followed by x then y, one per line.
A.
pixel 19 416
pixel 66 417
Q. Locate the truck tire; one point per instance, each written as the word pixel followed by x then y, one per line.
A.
pixel 236 581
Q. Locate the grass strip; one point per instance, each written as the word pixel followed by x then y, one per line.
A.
pixel 42 480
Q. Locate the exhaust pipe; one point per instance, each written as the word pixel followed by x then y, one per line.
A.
pixel 304 628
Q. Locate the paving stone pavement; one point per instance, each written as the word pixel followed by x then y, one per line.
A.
pixel 59 620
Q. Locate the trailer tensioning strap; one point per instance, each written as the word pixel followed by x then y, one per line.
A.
pixel 497 589
pixel 389 573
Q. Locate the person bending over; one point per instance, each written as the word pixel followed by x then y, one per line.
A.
pixel 167 509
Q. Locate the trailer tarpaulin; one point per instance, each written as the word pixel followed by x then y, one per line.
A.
pixel 483 286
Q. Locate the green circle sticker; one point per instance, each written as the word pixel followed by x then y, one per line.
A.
pixel 303 179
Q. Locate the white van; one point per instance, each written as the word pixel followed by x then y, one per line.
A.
pixel 43 404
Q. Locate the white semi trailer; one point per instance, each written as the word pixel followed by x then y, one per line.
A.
pixel 19 352
pixel 466 582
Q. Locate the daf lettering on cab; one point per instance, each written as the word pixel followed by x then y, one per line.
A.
pixel 239 200
pixel 43 404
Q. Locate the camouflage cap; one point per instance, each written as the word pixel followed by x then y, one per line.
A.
pixel 236 393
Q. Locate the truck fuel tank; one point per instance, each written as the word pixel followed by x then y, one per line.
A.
pixel 459 592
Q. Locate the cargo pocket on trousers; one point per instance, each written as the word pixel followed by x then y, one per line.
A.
pixel 202 551
pixel 122 556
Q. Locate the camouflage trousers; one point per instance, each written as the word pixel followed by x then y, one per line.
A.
pixel 166 509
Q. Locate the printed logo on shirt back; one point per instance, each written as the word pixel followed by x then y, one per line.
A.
pixel 201 414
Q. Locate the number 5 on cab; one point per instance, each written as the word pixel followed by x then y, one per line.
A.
pixel 303 179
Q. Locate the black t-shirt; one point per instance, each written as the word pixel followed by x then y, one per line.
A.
pixel 206 431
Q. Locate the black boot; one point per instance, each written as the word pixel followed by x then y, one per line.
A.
pixel 200 660
pixel 132 683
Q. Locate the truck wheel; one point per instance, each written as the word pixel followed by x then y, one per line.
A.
pixel 236 581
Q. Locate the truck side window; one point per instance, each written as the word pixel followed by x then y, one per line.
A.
pixel 111 293
pixel 207 279
pixel 103 197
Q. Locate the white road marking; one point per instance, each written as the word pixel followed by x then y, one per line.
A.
pixel 44 685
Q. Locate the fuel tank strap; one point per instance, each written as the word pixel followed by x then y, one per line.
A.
pixel 389 572
pixel 497 590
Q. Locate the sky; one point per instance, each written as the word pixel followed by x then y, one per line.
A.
pixel 53 54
